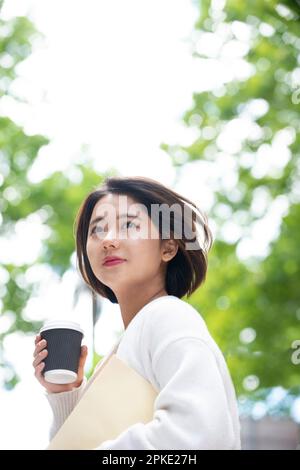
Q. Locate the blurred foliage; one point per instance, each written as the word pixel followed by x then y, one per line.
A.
pixel 262 40
pixel 55 200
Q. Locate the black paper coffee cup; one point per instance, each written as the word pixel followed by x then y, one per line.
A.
pixel 64 347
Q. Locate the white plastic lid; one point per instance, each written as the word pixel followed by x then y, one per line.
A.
pixel 52 324
pixel 60 376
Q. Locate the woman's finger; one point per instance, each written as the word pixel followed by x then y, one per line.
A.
pixel 39 347
pixel 37 339
pixel 39 357
pixel 38 372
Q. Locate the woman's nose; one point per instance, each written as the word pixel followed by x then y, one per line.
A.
pixel 110 239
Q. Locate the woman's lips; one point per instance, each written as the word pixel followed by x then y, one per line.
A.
pixel 113 262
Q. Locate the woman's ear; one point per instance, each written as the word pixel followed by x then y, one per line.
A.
pixel 169 249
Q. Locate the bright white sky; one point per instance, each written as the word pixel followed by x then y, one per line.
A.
pixel 116 76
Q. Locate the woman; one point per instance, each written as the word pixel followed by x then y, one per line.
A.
pixel 138 244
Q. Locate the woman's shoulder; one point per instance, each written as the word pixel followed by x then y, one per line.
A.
pixel 172 317
pixel 171 307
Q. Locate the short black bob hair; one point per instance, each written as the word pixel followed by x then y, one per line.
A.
pixel 187 269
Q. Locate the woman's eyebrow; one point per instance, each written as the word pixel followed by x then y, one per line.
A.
pixel 101 217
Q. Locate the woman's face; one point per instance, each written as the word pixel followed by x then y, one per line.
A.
pixel 134 239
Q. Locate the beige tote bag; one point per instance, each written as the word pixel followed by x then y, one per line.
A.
pixel 113 400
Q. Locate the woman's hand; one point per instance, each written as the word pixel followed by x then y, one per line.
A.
pixel 39 355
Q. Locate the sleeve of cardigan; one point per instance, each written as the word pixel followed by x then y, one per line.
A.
pixel 62 404
pixel 191 409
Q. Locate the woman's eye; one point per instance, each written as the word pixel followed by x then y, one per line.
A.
pixel 96 229
pixel 129 222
